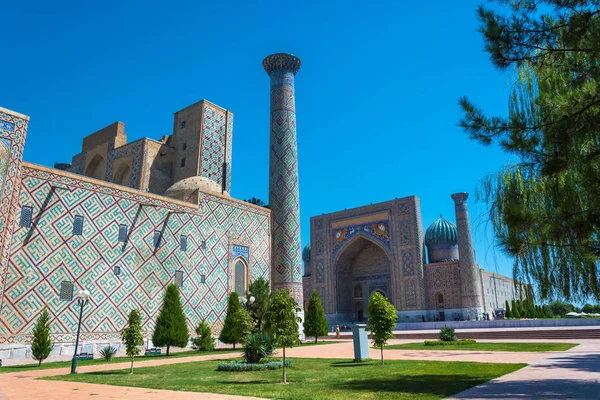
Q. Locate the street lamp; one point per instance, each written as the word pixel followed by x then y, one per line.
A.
pixel 83 297
pixel 248 301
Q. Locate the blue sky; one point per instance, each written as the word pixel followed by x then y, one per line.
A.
pixel 376 94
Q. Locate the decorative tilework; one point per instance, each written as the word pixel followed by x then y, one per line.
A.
pixel 7 126
pixel 405 232
pixel 283 175
pixel 407 264
pixel 52 254
pixel 320 271
pixel 372 277
pixel 213 144
pixel 239 251
pixel 410 294
pixel 379 231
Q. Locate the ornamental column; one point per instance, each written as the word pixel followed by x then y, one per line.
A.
pixel 470 280
pixel 284 200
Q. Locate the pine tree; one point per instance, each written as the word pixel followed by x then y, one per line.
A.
pixel 204 341
pixel 515 310
pixel 508 313
pixel 259 289
pixel 382 320
pixel 132 335
pixel 238 324
pixel 545 208
pixel 42 344
pixel 171 327
pixel 315 323
pixel 281 322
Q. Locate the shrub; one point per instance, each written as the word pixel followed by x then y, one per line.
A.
pixel 447 334
pixel 257 347
pixel 447 343
pixel 238 323
pixel 171 328
pixel 238 366
pixel 204 341
pixel 107 353
pixel 42 344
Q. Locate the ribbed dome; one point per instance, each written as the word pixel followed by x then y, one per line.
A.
pixel 441 232
pixel 306 255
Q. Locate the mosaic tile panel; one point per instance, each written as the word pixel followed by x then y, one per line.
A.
pixel 213 144
pixel 407 264
pixel 410 294
pixel 46 254
pixel 379 231
pixel 320 271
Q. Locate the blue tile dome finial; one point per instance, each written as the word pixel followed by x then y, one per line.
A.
pixel 306 254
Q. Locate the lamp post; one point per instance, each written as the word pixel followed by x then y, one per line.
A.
pixel 247 302
pixel 83 297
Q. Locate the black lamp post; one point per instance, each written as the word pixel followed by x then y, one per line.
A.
pixel 83 297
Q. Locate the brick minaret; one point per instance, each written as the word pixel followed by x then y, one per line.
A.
pixel 470 280
pixel 286 260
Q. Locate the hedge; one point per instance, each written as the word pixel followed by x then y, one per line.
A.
pixel 444 343
pixel 240 366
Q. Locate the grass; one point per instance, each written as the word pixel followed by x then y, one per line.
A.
pixel 312 379
pixel 488 346
pixel 99 361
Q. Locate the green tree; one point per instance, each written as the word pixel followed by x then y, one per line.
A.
pixel 171 328
pixel 508 313
pixel 204 341
pixel 515 310
pixel 238 324
pixel 281 322
pixel 41 346
pixel 259 289
pixel 560 308
pixel 588 308
pixel 545 208
pixel 315 323
pixel 382 320
pixel 132 335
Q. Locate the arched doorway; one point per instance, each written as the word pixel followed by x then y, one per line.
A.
pixel 240 277
pixel 361 267
pixel 439 305
pixel 96 167
pixel 123 175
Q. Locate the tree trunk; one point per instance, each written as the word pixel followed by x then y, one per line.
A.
pixel 316 339
pixel 381 354
pixel 284 371
pixel 131 372
pixel 39 363
pixel 234 345
pixel 168 347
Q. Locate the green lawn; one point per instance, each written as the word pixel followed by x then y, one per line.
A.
pixel 488 347
pixel 97 361
pixel 312 379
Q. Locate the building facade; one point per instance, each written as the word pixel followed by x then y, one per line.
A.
pixel 381 247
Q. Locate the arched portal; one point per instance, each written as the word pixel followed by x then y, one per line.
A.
pixel 363 264
pixel 240 278
pixel 95 167
pixel 123 175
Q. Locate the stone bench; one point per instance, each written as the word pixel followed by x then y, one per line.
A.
pixel 155 351
pixel 85 356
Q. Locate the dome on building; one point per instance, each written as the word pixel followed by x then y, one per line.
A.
pixel 441 232
pixel 306 255
pixel 186 189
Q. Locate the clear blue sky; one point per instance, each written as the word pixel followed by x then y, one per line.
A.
pixel 376 95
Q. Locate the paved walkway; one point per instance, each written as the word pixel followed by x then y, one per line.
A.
pixel 571 374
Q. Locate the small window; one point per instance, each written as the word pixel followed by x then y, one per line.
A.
pixel 202 278
pixel 183 124
pixel 183 243
pixel 78 225
pixel 26 214
pixel 203 245
pixel 117 270
pixel 179 278
pixel 122 233
pixel 157 239
pixel 184 146
pixel 66 290
pixel 183 162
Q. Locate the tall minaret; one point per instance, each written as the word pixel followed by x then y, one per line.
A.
pixel 470 280
pixel 284 200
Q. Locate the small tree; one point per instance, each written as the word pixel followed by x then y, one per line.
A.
pixel 132 335
pixel 238 324
pixel 204 341
pixel 588 308
pixel 515 310
pixel 508 313
pixel 382 319
pixel 259 289
pixel 282 323
pixel 315 323
pixel 41 345
pixel 171 328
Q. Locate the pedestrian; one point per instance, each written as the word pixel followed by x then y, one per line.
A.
pixel 337 331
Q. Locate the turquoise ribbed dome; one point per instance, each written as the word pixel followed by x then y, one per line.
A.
pixel 306 254
pixel 441 232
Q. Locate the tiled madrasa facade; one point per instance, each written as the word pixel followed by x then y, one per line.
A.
pixel 124 220
pixel 382 247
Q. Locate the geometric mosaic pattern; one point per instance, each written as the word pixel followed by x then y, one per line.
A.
pixel 47 253
pixel 283 175
pixel 379 231
pixel 213 144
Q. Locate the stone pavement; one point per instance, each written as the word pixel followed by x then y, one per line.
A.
pixel 569 374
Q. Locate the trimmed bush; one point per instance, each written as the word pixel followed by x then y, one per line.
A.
pixel 446 343
pixel 107 353
pixel 447 334
pixel 240 366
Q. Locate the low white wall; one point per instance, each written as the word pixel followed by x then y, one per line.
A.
pixel 508 323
